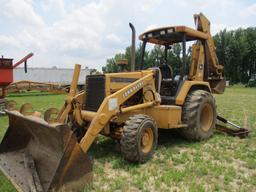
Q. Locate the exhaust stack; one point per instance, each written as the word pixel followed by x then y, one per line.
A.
pixel 133 47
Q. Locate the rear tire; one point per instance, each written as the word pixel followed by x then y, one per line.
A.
pixel 139 139
pixel 199 113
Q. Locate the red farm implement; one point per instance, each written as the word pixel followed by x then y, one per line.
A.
pixel 6 75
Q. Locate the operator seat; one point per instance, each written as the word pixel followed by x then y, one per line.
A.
pixel 167 72
pixel 168 85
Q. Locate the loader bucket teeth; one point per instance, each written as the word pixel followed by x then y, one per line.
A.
pixel 37 156
pixel 11 105
pixel 26 109
pixel 51 115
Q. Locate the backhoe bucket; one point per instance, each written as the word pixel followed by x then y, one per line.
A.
pixel 37 156
pixel 218 86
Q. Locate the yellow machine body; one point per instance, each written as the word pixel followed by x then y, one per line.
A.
pixel 106 106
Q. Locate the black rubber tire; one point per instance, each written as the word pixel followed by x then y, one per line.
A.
pixel 133 129
pixel 192 113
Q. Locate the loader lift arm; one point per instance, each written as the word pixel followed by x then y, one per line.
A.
pixel 111 106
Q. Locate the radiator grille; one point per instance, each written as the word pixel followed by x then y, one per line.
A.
pixel 95 92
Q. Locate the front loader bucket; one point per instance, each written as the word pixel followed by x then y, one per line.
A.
pixel 37 156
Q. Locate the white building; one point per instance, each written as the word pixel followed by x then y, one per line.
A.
pixel 49 75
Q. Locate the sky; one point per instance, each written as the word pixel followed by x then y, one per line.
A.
pixel 62 32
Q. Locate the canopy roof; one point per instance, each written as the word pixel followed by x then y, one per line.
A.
pixel 172 34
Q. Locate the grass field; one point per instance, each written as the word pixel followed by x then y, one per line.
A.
pixel 222 163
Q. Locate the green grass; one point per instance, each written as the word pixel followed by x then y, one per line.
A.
pixel 222 163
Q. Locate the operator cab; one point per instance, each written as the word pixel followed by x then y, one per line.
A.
pixel 166 37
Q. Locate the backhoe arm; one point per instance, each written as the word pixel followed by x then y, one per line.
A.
pixel 203 24
pixel 213 71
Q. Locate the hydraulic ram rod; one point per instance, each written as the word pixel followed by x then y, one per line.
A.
pixel 222 119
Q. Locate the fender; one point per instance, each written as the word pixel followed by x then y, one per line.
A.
pixel 188 86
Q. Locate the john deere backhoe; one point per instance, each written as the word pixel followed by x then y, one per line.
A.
pixel 50 154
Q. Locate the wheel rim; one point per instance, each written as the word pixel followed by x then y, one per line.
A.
pixel 147 140
pixel 206 117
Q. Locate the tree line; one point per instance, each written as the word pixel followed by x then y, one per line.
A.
pixel 236 50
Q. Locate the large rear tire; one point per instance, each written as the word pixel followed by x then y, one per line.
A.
pixel 199 113
pixel 139 139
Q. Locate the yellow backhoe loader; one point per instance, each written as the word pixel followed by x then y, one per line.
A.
pixel 50 153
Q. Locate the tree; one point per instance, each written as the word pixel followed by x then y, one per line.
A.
pixel 236 50
pixel 111 66
pixel 94 72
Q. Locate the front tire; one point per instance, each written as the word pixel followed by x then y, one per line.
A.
pixel 199 113
pixel 139 139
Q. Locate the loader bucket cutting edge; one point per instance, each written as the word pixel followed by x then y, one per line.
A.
pixel 34 156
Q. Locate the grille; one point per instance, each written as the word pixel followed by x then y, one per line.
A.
pixel 95 92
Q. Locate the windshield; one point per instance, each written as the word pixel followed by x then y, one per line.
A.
pixel 173 55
